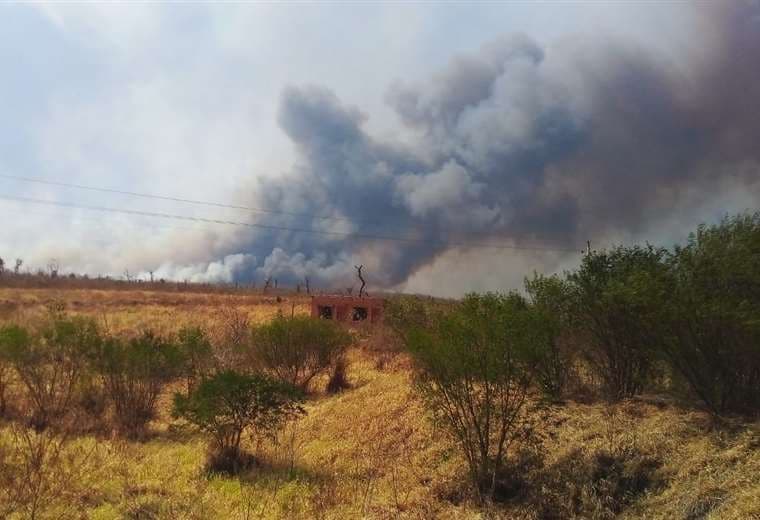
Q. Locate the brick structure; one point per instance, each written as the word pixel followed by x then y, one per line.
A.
pixel 347 308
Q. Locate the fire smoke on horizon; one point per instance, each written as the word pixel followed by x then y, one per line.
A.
pixel 540 145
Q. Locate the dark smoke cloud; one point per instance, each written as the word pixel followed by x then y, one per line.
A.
pixel 521 144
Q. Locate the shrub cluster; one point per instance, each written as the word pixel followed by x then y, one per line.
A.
pixel 65 368
pixel 49 363
pixel 646 318
pixel 687 315
pixel 134 372
pixel 298 348
pixel 627 320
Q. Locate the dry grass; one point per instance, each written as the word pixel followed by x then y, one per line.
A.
pixel 370 452
pixel 128 310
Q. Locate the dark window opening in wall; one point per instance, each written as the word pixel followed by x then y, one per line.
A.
pixel 325 312
pixel 360 314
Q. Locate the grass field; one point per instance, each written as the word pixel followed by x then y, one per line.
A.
pixel 129 310
pixel 371 452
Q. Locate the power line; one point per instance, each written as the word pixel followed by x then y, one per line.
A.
pixel 346 235
pixel 39 180
pixel 99 219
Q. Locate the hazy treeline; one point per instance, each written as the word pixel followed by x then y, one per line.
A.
pixel 47 280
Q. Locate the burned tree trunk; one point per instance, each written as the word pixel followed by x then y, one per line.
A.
pixel 361 278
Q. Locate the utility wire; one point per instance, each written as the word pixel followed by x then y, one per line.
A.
pixel 39 180
pixel 347 235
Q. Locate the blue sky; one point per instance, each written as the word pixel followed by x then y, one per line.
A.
pixel 182 99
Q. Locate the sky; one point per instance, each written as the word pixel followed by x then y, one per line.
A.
pixel 448 147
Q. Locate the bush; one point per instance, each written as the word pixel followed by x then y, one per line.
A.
pixel 714 339
pixel 551 301
pixel 474 371
pixel 619 303
pixel 229 404
pixel 197 354
pixel 50 363
pixel 134 372
pixel 230 335
pixel 42 473
pixel 297 349
pixel 405 314
pixel 90 398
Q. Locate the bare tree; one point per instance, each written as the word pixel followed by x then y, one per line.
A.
pixel 127 275
pixel 17 268
pixel 267 283
pixel 151 276
pixel 308 288
pixel 361 278
pixel 53 267
pixel 2 266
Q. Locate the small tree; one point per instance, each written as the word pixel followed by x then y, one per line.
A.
pixel 230 404
pixel 298 348
pixel 714 335
pixel 619 300
pixel 134 372
pixel 474 373
pixel 50 363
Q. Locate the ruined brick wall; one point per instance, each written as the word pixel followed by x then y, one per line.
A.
pixel 347 308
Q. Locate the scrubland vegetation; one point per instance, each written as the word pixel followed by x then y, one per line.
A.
pixel 626 388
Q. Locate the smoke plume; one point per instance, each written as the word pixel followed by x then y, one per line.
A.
pixel 518 144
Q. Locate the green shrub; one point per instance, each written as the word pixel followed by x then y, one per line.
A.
pixel 197 354
pixel 230 404
pixel 474 372
pixel 50 363
pixel 714 336
pixel 297 349
pixel 134 372
pixel 551 302
pixel 618 305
